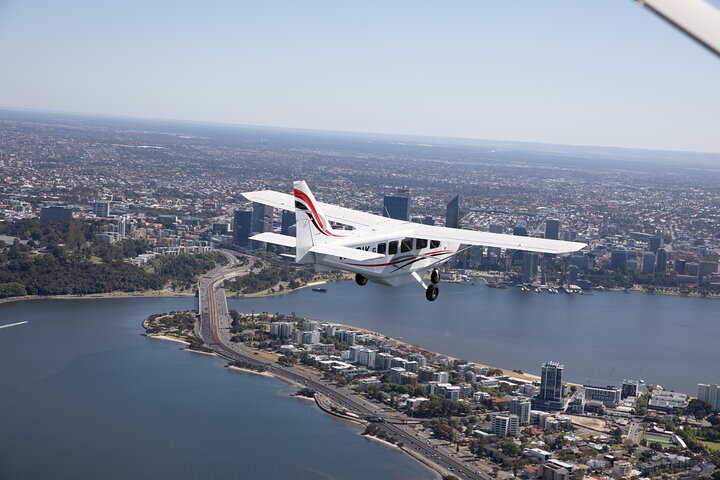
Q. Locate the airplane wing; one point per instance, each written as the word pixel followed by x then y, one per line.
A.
pixel 499 240
pixel 345 216
pixel 275 238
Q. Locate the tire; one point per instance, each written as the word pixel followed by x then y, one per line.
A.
pixel 360 280
pixel 435 276
pixel 432 292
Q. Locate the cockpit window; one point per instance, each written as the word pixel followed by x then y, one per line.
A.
pixel 392 247
pixel 382 248
pixel 434 243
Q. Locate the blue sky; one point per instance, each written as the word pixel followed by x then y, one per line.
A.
pixel 576 72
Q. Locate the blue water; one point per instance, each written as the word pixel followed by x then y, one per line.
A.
pixel 84 396
pixel 600 338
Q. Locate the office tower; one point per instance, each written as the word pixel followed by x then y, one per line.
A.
pixel 452 216
pixel 397 206
pixel 648 265
pixel 242 227
pixel 56 215
pixel 654 243
pixel 680 266
pixel 692 268
pixel 552 228
pixel 710 394
pixel 101 209
pixel 220 228
pixel 494 251
pixel 661 260
pixel 262 217
pixel 520 406
pixel 551 382
pixel 618 259
pixel 288 220
pixel 529 267
pixel 707 268
pixel 572 274
pixel 520 230
pixel 122 226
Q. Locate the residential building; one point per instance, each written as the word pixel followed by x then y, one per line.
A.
pixel 710 394
pixel 609 396
pixel 504 425
pixel 520 406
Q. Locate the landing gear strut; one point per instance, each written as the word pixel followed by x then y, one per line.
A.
pixel 435 277
pixel 432 292
pixel 360 280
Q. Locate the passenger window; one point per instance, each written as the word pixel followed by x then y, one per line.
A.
pixel 420 243
pixel 407 245
pixel 392 247
pixel 434 243
pixel 382 248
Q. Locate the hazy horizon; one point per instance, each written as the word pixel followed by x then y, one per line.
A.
pixel 606 74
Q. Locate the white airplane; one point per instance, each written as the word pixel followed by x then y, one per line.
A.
pixel 380 249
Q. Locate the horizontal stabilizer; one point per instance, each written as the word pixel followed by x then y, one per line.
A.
pixel 345 252
pixel 275 238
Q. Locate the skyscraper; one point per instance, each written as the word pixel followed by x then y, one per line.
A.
pixel 710 394
pixel 397 206
pixel 452 216
pixel 552 228
pixel 242 227
pixel 648 265
pixel 654 243
pixel 288 220
pixel 262 217
pixel 618 259
pixel 551 382
pixel 661 260
pixel 529 267
pixel 572 274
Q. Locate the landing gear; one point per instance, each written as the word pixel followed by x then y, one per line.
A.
pixel 435 276
pixel 360 280
pixel 432 292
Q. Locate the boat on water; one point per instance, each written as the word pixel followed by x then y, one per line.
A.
pixel 319 289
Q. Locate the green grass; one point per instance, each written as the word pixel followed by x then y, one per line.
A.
pixel 663 440
pixel 712 446
pixel 96 260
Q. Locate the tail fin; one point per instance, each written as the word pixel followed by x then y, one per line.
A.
pixel 312 226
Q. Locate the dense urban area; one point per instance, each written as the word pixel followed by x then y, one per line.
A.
pixel 102 206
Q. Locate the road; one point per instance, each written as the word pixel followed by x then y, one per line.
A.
pixel 212 305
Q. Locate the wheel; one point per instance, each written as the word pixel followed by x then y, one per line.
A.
pixel 360 280
pixel 432 292
pixel 435 276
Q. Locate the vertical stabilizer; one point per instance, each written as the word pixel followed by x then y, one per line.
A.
pixel 311 225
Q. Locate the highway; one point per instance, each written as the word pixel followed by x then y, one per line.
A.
pixel 212 306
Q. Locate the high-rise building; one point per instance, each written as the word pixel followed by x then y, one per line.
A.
pixel 494 252
pixel 452 216
pixel 504 425
pixel 618 260
pixel 661 260
pixel 242 227
pixel 520 406
pixel 654 243
pixel 680 266
pixel 122 226
pixel 648 264
pixel 288 220
pixel 520 230
pixel 102 209
pixel 397 206
pixel 56 215
pixel 262 217
pixel 710 394
pixel 551 387
pixel 529 267
pixel 572 275
pixel 552 228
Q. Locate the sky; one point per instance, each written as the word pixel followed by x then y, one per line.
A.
pixel 604 72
